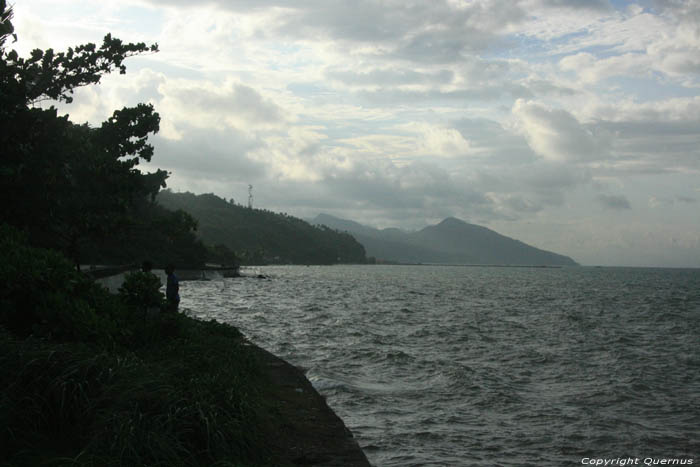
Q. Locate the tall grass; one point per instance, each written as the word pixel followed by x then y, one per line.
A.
pixel 191 400
pixel 87 380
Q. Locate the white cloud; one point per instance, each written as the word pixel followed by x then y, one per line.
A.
pixel 529 115
pixel 590 69
pixel 557 135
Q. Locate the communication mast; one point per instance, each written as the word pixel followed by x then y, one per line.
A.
pixel 250 196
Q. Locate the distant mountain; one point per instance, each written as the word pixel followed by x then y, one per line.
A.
pixel 452 241
pixel 259 236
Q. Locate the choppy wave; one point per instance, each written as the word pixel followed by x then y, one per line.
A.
pixel 485 366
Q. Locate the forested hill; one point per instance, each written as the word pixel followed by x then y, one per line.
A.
pixel 259 236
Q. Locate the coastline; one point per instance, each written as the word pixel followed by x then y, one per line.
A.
pixel 94 378
pixel 306 430
pixel 192 392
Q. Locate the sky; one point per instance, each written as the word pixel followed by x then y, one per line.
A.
pixel 571 125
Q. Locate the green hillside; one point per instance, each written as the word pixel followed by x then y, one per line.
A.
pixel 259 236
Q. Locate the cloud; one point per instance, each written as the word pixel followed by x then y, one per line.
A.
pixel 391 77
pixel 614 202
pixel 436 32
pixel 452 98
pixel 442 46
pixel 514 203
pixel 655 202
pixel 659 136
pixel 207 105
pixel 403 112
pixel 687 11
pixel 591 69
pixel 433 140
pixel 557 135
pixel 206 154
pixel 601 5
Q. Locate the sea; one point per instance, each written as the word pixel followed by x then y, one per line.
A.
pixel 485 366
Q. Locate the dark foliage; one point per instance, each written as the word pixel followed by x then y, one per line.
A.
pixel 149 232
pixel 259 236
pixel 87 379
pixel 222 255
pixel 42 295
pixel 142 290
pixel 63 183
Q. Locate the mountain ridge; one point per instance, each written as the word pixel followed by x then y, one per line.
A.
pixel 258 236
pixel 451 241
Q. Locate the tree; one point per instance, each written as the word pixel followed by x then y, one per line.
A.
pixel 62 182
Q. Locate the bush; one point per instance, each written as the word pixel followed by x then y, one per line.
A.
pixel 42 294
pixel 141 290
pixel 84 383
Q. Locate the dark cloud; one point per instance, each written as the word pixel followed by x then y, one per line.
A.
pixel 428 32
pixel 380 190
pixel 530 186
pixel 602 5
pixel 523 205
pixel 547 88
pixel 548 176
pixel 485 72
pixel 210 154
pixel 238 99
pixel 390 77
pixel 655 145
pixel 416 185
pixel 394 22
pixel 497 146
pixel 442 46
pixel 615 202
pixel 686 10
pixel 461 97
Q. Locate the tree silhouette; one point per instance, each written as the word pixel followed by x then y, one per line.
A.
pixel 62 182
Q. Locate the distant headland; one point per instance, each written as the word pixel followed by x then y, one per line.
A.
pixel 452 241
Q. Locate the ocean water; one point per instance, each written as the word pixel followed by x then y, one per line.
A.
pixel 470 366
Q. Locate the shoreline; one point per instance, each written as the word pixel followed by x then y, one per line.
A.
pixel 308 431
pixel 304 429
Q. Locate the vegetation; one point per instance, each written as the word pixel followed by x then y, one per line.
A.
pixel 260 236
pixel 93 379
pixel 87 379
pixel 153 232
pixel 68 185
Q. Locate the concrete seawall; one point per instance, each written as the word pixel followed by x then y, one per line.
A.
pixel 306 431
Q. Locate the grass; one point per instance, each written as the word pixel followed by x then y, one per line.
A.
pixel 189 399
pixel 91 379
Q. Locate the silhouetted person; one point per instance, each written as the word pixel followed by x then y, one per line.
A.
pixel 172 288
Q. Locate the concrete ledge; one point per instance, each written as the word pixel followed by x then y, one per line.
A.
pixel 308 432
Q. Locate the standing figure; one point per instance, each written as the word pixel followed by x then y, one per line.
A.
pixel 172 289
